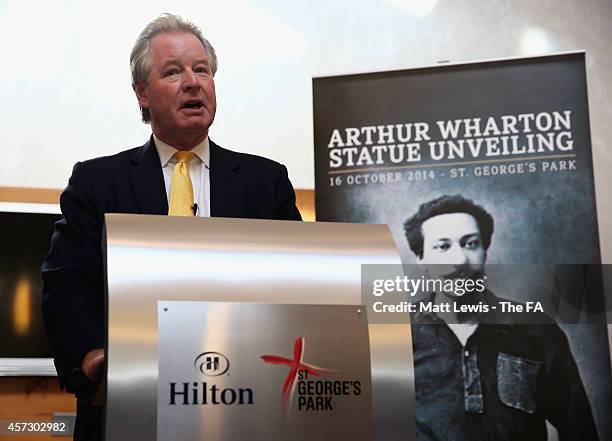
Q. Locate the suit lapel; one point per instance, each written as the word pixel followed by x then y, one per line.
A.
pixel 226 183
pixel 147 180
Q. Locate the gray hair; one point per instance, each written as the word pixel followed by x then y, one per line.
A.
pixel 140 61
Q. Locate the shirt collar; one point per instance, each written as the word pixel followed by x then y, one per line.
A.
pixel 166 151
pixel 426 317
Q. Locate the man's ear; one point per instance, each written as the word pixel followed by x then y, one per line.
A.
pixel 141 95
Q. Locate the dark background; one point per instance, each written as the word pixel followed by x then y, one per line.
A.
pixel 553 213
pixel 24 241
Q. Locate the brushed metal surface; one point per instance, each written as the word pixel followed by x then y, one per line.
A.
pixel 241 397
pixel 151 258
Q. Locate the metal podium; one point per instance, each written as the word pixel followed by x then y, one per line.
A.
pixel 242 273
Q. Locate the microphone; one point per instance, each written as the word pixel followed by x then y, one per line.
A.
pixel 195 209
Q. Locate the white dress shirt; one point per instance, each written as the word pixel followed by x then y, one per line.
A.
pixel 463 331
pixel 199 172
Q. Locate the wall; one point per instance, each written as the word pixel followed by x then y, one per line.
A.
pixel 66 94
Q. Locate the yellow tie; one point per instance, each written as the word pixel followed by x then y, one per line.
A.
pixel 181 191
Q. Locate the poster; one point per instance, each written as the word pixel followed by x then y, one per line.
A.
pixel 511 136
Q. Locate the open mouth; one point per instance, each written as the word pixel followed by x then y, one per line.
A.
pixel 192 104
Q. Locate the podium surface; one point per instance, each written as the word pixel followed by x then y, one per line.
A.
pixel 151 259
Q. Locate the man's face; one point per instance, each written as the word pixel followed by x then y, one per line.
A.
pixel 452 246
pixel 180 92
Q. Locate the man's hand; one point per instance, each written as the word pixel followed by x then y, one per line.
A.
pixel 92 364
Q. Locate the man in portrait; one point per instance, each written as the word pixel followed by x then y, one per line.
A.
pixel 480 375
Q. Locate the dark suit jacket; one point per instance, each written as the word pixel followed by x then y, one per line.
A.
pixel 241 185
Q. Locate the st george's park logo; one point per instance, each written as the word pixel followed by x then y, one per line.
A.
pixel 315 393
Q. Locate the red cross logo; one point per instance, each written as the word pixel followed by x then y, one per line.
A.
pixel 295 365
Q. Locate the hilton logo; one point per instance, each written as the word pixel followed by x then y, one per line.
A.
pixel 212 364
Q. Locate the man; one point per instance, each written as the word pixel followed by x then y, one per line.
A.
pixel 179 171
pixel 477 375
